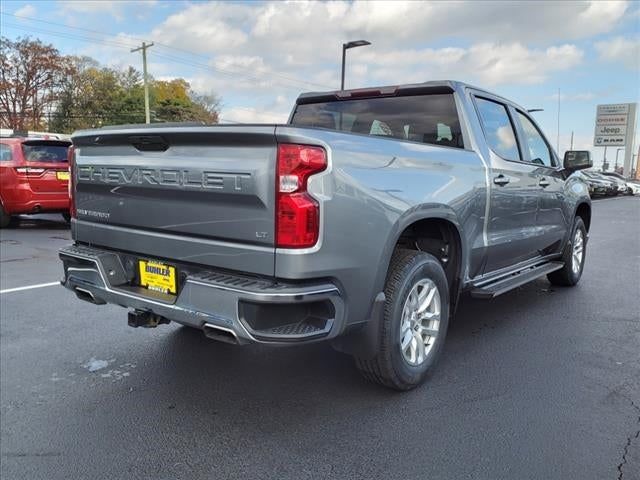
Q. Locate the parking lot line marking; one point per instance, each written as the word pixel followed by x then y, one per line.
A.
pixel 29 287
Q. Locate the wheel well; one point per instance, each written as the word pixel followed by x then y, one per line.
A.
pixel 584 211
pixel 441 239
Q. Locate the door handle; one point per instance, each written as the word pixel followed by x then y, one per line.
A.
pixel 501 180
pixel 544 182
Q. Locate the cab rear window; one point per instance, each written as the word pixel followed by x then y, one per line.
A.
pixel 45 152
pixel 431 119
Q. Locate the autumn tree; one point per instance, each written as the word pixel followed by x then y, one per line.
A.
pixel 174 101
pixel 95 96
pixel 31 75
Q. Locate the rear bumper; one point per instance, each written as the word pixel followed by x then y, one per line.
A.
pixel 24 200
pixel 246 309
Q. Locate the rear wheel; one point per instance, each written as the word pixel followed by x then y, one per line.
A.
pixel 5 218
pixel 574 256
pixel 414 326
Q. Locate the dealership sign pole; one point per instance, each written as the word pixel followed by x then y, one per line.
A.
pixel 616 127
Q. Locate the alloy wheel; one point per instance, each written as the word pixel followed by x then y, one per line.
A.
pixel 420 322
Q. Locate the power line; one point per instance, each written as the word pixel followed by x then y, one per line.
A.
pixel 128 46
pixel 95 116
pixel 71 36
pixel 98 32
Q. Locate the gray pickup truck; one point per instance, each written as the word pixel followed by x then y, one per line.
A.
pixel 360 221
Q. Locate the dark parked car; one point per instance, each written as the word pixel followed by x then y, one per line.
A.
pixel 597 187
pixel 597 179
pixel 360 221
pixel 623 187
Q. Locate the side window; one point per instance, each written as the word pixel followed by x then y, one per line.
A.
pixel 498 128
pixel 535 148
pixel 5 153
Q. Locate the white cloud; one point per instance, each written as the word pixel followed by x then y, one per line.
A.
pixel 486 63
pixel 307 32
pixel 275 43
pixel 206 27
pixel 276 110
pixel 27 10
pixel 506 138
pixel 252 115
pixel 622 50
pixel 282 48
pixel 115 9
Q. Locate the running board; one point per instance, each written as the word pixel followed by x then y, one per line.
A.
pixel 503 285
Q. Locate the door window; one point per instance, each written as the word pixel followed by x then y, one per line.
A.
pixel 535 147
pixel 498 129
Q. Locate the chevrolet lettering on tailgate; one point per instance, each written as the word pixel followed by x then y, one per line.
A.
pixel 227 181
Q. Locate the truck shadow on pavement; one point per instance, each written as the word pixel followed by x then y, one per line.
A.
pixel 277 375
pixel 265 392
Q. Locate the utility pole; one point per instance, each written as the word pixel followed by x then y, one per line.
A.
pixel 571 140
pixel 144 47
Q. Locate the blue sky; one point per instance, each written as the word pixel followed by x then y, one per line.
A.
pixel 259 55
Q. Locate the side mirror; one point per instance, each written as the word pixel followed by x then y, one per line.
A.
pixel 577 160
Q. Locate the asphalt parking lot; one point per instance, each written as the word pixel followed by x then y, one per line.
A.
pixel 541 383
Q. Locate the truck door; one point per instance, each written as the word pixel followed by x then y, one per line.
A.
pixel 511 230
pixel 551 220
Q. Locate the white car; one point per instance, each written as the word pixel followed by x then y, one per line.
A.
pixel 634 186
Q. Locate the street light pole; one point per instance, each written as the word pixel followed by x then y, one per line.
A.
pixel 144 47
pixel 558 138
pixel 345 47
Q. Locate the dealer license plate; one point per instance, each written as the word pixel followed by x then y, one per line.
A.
pixel 157 276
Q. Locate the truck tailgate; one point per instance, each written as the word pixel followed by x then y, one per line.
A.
pixel 196 194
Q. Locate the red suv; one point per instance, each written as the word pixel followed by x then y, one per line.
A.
pixel 34 177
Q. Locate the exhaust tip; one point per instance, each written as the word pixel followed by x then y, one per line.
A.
pixel 221 334
pixel 88 296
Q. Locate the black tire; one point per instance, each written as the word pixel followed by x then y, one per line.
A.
pixel 567 276
pixel 66 217
pixel 5 218
pixel 388 366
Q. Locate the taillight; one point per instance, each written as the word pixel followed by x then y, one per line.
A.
pixel 297 212
pixel 71 159
pixel 30 171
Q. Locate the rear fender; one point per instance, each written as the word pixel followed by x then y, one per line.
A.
pixel 421 212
